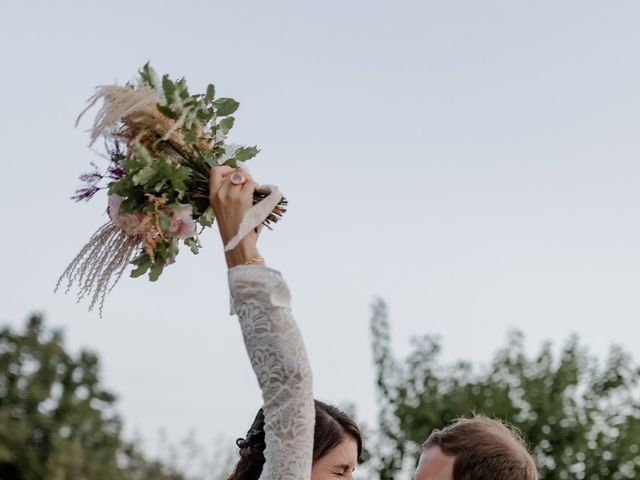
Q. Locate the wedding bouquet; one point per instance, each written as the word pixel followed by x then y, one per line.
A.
pixel 162 142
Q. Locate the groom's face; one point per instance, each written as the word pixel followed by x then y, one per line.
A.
pixel 435 465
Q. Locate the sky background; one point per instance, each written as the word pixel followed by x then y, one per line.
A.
pixel 475 164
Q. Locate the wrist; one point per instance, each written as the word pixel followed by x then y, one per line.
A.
pixel 242 254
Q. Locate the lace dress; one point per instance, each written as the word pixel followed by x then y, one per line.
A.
pixel 260 297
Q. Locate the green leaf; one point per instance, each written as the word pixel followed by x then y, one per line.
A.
pixel 203 115
pixel 165 221
pixel 143 176
pixel 142 154
pixel 231 162
pixel 225 106
pixel 169 89
pixel 173 173
pixel 211 161
pixel 193 244
pixel 178 178
pixel 160 185
pixel 142 262
pixel 148 75
pixel 121 187
pixel 132 165
pixel 156 270
pixel 206 219
pixel 246 153
pixel 183 90
pixel 167 112
pixel 130 205
pixel 139 271
pixel 218 151
pixel 211 91
pixel 227 124
pixel 173 247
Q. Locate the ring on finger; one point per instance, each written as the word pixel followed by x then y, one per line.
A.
pixel 237 178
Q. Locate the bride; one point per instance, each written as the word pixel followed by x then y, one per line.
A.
pixel 292 437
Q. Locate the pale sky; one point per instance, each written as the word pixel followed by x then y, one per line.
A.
pixel 476 164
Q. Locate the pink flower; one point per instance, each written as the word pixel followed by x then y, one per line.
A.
pixel 182 223
pixel 129 222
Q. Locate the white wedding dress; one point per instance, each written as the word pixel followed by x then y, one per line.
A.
pixel 260 297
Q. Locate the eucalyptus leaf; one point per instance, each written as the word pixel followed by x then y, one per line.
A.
pixel 169 89
pixel 155 271
pixel 139 271
pixel 148 75
pixel 231 162
pixel 246 153
pixel 142 263
pixel 211 91
pixel 227 124
pixel 225 106
pixel 183 90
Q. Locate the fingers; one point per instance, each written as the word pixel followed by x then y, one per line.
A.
pixel 250 184
pixel 216 175
pixel 231 189
pixel 231 196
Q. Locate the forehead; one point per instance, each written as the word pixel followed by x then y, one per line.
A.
pixel 345 453
pixel 435 465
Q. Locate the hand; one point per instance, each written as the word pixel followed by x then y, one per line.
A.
pixel 229 203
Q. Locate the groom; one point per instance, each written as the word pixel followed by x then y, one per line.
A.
pixel 475 449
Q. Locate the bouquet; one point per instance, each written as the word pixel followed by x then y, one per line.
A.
pixel 162 142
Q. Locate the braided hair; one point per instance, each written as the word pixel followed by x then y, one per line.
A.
pixel 331 428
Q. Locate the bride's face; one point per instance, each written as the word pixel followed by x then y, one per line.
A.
pixel 338 463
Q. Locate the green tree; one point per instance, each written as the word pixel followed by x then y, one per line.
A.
pixel 580 417
pixel 57 422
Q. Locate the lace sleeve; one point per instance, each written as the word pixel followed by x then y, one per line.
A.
pixel 261 299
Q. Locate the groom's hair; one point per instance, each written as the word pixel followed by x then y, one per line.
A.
pixel 484 449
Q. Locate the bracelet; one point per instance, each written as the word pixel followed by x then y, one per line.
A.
pixel 254 260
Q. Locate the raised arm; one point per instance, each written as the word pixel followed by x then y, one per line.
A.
pixel 261 299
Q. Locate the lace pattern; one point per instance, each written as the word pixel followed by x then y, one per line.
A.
pixel 261 299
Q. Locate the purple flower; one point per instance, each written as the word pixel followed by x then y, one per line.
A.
pixel 85 193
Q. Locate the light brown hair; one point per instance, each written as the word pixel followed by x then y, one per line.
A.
pixel 484 449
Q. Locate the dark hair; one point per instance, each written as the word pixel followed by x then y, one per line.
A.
pixel 484 449
pixel 332 427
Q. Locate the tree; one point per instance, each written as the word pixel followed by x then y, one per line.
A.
pixel 580 417
pixel 56 420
